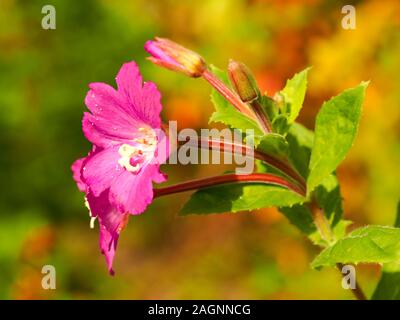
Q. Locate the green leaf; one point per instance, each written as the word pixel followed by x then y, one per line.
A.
pixel 339 229
pixel 269 106
pixel 239 197
pixel 226 113
pixel 280 124
pixel 329 199
pixel 338 232
pixel 294 93
pixel 388 287
pixel 300 141
pixel 371 244
pixel 275 145
pixel 335 129
pixel 300 216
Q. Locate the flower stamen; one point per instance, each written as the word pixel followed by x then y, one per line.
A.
pixel 134 156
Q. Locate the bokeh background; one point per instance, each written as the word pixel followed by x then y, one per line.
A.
pixel 258 255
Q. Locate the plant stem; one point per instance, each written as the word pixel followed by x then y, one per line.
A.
pixel 228 94
pixel 237 147
pixel 325 230
pixel 225 179
pixel 357 291
pixel 261 116
pixel 322 223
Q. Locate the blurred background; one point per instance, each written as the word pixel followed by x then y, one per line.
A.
pixel 44 76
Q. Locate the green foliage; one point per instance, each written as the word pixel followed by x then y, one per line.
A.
pixel 335 130
pixel 371 244
pixel 329 199
pixel 300 141
pixel 338 231
pixel 293 95
pixel 388 287
pixel 300 216
pixel 239 197
pixel 315 155
pixel 275 145
pixel 269 106
pixel 280 124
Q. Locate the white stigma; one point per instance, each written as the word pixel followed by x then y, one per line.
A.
pixel 126 152
pixel 141 152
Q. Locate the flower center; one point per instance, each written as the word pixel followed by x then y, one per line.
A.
pixel 133 157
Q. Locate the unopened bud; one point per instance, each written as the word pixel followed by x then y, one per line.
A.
pixel 173 56
pixel 243 81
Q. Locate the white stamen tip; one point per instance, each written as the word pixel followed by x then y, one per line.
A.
pixel 87 206
pixel 92 220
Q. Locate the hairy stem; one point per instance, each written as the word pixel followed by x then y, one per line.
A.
pixel 325 230
pixel 225 179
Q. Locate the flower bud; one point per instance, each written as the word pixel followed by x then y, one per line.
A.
pixel 243 81
pixel 171 55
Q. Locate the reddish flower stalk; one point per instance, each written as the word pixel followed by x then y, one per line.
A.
pixel 225 179
pixel 283 166
pixel 173 56
pixel 262 118
pixel 228 94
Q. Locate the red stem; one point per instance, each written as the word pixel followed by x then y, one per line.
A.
pixel 262 118
pixel 227 93
pixel 282 166
pixel 224 179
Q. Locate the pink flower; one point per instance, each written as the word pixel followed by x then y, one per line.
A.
pixel 124 126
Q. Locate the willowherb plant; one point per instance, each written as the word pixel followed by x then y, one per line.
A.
pixel 295 169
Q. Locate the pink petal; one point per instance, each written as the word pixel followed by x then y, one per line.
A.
pixel 111 223
pixel 101 168
pixel 108 246
pixel 152 48
pixel 106 132
pixel 150 106
pixel 110 119
pixel 163 148
pixel 76 174
pixel 144 102
pixel 103 98
pixel 134 192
